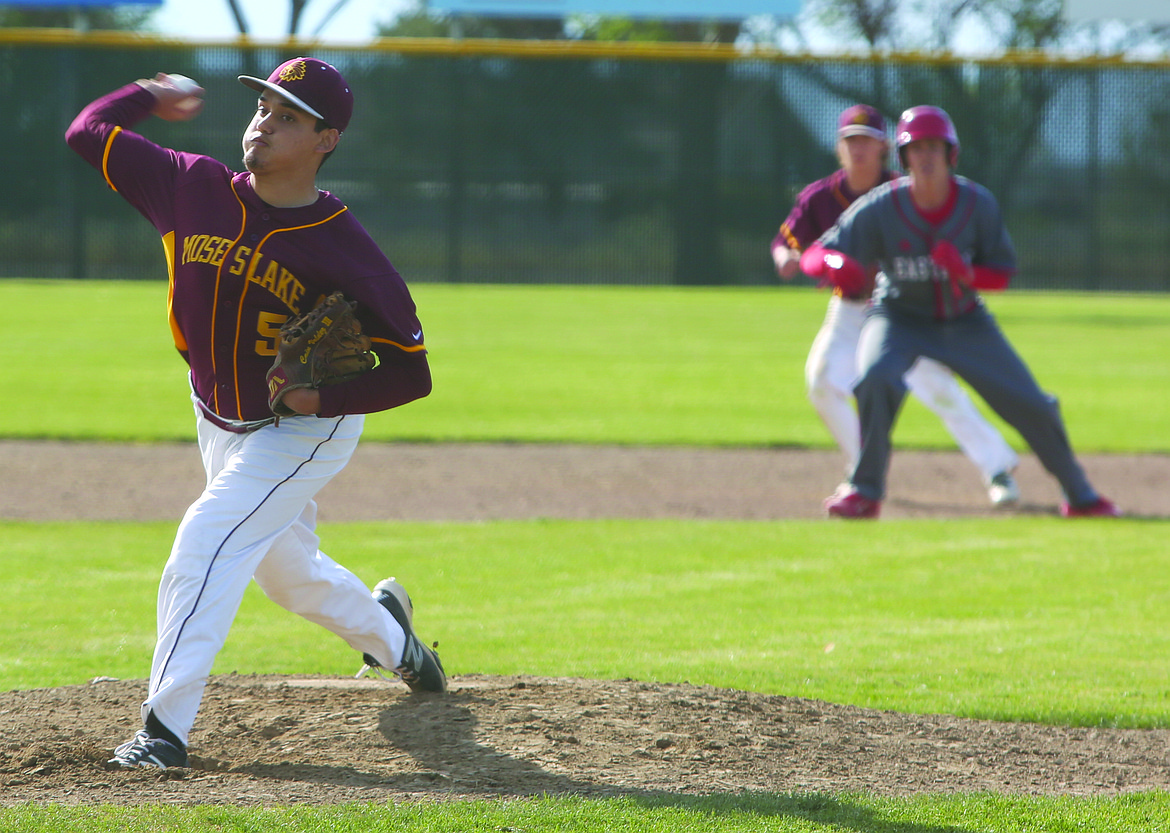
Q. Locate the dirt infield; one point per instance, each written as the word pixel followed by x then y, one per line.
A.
pixel 71 481
pixel 266 740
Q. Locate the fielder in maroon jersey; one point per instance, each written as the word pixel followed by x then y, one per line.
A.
pixel 936 239
pixel 245 251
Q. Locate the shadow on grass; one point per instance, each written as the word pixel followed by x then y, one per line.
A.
pixel 819 808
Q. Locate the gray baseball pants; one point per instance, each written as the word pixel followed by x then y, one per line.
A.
pixel 975 348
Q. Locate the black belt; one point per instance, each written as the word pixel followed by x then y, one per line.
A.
pixel 234 426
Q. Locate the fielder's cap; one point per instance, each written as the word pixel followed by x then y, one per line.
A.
pixel 861 120
pixel 313 85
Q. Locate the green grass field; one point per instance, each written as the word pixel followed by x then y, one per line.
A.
pixel 1023 618
pixel 743 813
pixel 596 365
pixel 1031 619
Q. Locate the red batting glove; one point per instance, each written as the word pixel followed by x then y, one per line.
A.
pixel 947 257
pixel 833 268
pixel 959 271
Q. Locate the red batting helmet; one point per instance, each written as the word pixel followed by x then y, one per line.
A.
pixel 927 122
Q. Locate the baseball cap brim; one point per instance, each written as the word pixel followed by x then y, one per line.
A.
pixel 862 130
pixel 260 85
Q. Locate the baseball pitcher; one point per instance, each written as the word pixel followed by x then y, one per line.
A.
pixel 280 382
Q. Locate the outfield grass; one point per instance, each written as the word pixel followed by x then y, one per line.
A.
pixel 585 364
pixel 1035 619
pixel 1021 618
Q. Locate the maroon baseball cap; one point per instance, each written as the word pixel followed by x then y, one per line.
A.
pixel 861 120
pixel 313 85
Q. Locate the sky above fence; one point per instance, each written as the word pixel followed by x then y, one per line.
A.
pixel 357 20
pixel 268 19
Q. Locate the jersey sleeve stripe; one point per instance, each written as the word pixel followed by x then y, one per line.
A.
pixel 106 159
pixel 405 348
pixel 177 334
pixel 790 238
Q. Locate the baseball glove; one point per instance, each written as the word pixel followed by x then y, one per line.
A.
pixel 324 346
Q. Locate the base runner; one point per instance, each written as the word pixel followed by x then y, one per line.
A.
pixel 937 239
pixel 831 368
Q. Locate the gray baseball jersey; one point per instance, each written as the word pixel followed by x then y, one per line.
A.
pixel 919 310
pixel 885 228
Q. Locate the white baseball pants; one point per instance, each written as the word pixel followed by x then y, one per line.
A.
pixel 256 519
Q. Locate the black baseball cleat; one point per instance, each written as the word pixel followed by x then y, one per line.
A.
pixel 152 753
pixel 420 667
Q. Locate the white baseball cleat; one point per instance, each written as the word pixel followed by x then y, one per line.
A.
pixel 1003 490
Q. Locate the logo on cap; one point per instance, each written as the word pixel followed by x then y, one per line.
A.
pixel 861 120
pixel 294 71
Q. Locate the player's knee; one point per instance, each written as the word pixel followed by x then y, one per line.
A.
pixel 881 376
pixel 278 589
pixel 821 386
pixel 829 398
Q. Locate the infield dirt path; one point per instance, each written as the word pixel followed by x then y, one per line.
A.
pixel 69 481
pixel 321 740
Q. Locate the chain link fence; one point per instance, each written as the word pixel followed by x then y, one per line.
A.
pixel 562 162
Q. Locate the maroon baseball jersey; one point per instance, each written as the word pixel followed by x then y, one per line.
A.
pixel 816 209
pixel 239 268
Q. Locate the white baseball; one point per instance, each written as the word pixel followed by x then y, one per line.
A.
pixel 183 84
pixel 187 86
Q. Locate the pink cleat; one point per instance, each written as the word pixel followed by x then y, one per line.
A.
pixel 1100 508
pixel 849 503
